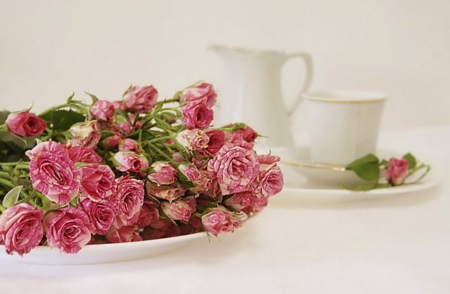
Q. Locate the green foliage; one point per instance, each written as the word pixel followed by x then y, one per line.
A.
pixel 62 120
pixel 366 167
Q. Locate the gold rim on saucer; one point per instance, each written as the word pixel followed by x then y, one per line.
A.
pixel 318 166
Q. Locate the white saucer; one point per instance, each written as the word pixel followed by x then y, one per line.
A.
pixel 308 178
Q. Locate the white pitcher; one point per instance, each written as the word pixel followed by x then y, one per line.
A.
pixel 252 93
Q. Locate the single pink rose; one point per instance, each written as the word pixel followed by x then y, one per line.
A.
pixel 86 134
pixel 202 182
pixel 168 193
pixel 221 220
pixel 113 141
pixel 140 99
pixel 148 215
pixel 247 133
pixel 196 115
pixel 194 139
pixel 103 110
pixel 190 171
pixel 101 214
pixel 25 124
pixel 240 200
pixel 126 128
pixel 201 91
pixel 213 190
pixel 215 142
pixel 235 168
pixel 53 173
pixel 164 173
pixel 178 157
pixel 129 145
pixel 270 178
pixel 128 201
pixel 257 205
pixel 68 229
pixel 181 209
pixel 21 228
pixel 84 154
pixel 119 105
pixel 97 181
pixel 397 171
pixel 123 234
pixel 130 161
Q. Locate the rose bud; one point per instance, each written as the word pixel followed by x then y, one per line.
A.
pixel 397 171
pixel 103 110
pixel 201 91
pixel 140 99
pixel 25 124
pixel 164 173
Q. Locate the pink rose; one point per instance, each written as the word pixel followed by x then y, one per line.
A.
pixel 53 173
pixel 140 99
pixel 257 205
pixel 270 178
pixel 86 134
pixel 118 105
pixel 247 134
pixel 178 157
pixel 148 215
pixel 68 229
pixel 128 200
pixel 103 110
pixel 84 154
pixel 214 190
pixel 215 142
pixel 101 214
pixel 196 115
pixel 194 139
pixel 129 145
pixel 164 173
pixel 240 200
pixel 201 91
pixel 21 228
pixel 235 168
pixel 221 220
pixel 181 209
pixel 126 128
pixel 189 171
pixel 113 141
pixel 25 124
pixel 168 193
pixel 123 234
pixel 397 171
pixel 97 181
pixel 130 161
pixel 202 182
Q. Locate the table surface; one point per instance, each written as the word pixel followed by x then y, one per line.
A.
pixel 392 244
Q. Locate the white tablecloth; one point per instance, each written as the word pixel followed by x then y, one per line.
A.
pixel 396 244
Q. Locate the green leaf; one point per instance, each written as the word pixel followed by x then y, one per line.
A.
pixel 93 97
pixel 62 120
pixel 238 126
pixel 411 160
pixel 70 98
pixel 367 167
pixel 12 197
pixel 3 116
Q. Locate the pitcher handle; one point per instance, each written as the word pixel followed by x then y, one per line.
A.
pixel 308 79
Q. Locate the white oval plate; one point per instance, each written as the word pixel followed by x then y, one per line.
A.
pixel 101 253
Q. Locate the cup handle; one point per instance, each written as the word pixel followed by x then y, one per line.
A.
pixel 308 79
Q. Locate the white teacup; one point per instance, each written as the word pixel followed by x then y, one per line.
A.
pixel 343 125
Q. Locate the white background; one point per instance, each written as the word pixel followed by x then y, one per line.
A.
pixel 49 49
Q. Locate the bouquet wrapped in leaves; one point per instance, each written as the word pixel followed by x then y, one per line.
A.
pixel 128 170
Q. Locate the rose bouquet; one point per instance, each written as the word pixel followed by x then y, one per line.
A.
pixel 129 170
